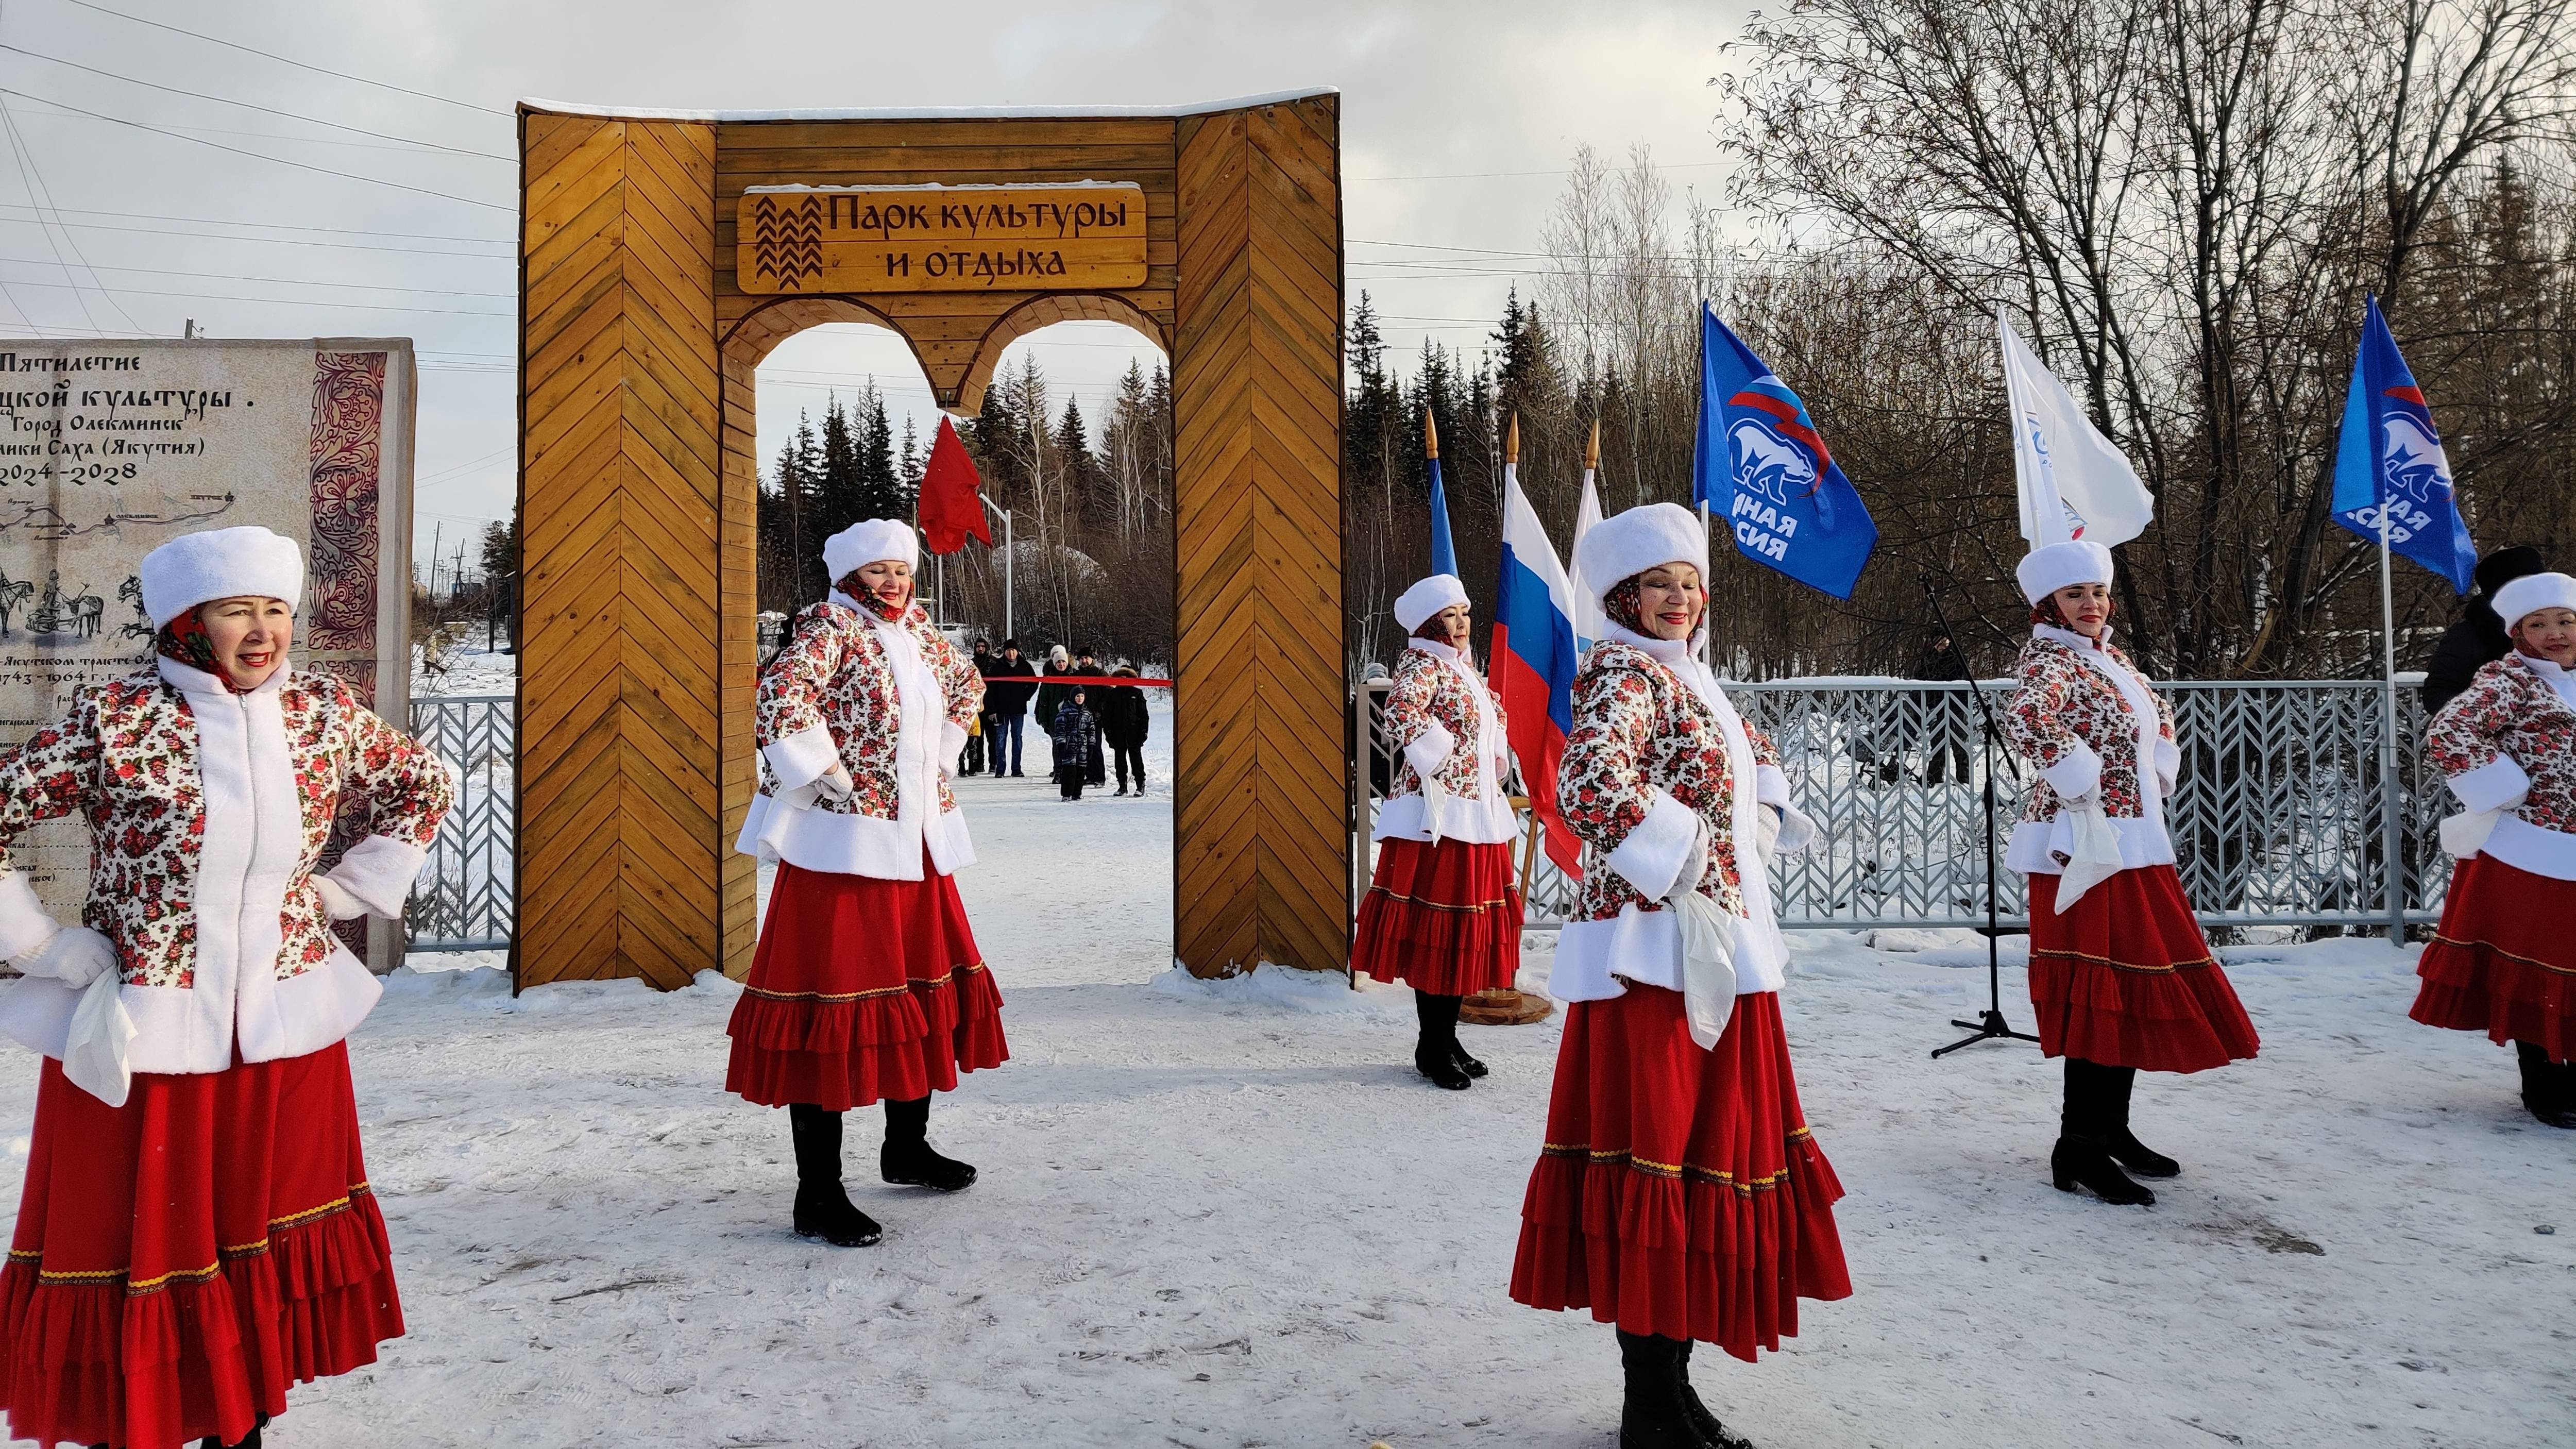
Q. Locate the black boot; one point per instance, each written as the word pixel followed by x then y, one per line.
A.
pixel 823 1207
pixel 2545 1085
pixel 2083 1153
pixel 909 1160
pixel 1435 1052
pixel 1458 1049
pixel 1697 1412
pixel 2126 1149
pixel 1653 1415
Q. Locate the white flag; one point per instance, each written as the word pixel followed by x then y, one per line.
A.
pixel 1588 619
pixel 2073 482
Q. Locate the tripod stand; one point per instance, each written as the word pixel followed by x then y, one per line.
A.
pixel 1990 1023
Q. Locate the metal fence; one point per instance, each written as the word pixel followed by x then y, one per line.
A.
pixel 463 899
pixel 2279 817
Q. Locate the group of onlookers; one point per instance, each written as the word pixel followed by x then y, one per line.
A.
pixel 1078 719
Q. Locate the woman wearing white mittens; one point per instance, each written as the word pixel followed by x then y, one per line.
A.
pixel 196 1231
pixel 2501 962
pixel 1442 912
pixel 866 985
pixel 1679 1195
pixel 2120 975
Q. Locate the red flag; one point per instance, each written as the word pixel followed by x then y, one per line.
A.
pixel 950 511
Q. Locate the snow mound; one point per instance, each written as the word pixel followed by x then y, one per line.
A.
pixel 1279 987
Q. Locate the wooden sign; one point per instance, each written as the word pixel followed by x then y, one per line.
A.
pixel 1088 235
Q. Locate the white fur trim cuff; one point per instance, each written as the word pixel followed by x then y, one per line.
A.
pixel 1430 749
pixel 2168 765
pixel 1770 786
pixel 1653 854
pixel 221 563
pixel 803 757
pixel 24 925
pixel 379 871
pixel 2076 775
pixel 952 740
pixel 1429 597
pixel 2499 784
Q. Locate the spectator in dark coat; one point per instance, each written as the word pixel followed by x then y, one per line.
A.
pixel 1051 697
pixel 1007 704
pixel 1077 743
pixel 1942 660
pixel 1123 723
pixel 2477 638
pixel 1096 764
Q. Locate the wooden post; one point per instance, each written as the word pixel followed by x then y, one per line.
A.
pixel 1509 1005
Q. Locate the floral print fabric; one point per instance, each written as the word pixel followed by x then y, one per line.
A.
pixel 2509 711
pixel 1428 691
pixel 125 759
pixel 1639 728
pixel 2063 701
pixel 834 675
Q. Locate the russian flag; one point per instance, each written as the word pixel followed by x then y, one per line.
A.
pixel 1533 662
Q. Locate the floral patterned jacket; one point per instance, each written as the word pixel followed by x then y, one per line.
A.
pixel 2508 744
pixel 1639 729
pixel 1433 724
pixel 889 701
pixel 208 814
pixel 2072 721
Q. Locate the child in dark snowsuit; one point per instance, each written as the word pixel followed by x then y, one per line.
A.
pixel 1077 742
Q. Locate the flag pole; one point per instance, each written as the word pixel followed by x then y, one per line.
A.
pixel 1707 535
pixel 1503 1005
pixel 2392 799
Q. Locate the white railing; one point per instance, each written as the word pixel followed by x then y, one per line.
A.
pixel 463 900
pixel 2278 819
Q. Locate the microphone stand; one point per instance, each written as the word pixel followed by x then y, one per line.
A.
pixel 1990 1024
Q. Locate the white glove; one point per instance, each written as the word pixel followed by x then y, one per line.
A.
pixel 94 1053
pixel 2096 856
pixel 338 902
pixel 74 956
pixel 1694 863
pixel 1766 832
pixel 836 784
pixel 1435 804
pixel 1708 948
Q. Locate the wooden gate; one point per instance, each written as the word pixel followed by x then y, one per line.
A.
pixel 641 329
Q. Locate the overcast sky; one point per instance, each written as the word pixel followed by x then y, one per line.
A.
pixel 1459 119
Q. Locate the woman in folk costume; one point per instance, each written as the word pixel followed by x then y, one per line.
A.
pixel 1442 911
pixel 196 1232
pixel 1679 1195
pixel 866 985
pixel 2502 961
pixel 2120 976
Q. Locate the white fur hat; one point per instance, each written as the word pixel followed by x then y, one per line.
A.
pixel 221 563
pixel 2053 566
pixel 2532 592
pixel 1427 598
pixel 870 540
pixel 1625 545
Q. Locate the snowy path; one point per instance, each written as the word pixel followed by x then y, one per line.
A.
pixel 1235 1222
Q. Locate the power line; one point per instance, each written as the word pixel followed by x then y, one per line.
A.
pixel 275 301
pixel 1483 175
pixel 260 155
pixel 497 241
pixel 33 177
pixel 248 106
pixel 283 60
pixel 276 281
pixel 281 241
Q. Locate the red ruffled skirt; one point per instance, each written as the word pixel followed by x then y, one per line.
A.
pixel 182 1259
pixel 862 990
pixel 2503 960
pixel 1445 917
pixel 2125 978
pixel 1679 1192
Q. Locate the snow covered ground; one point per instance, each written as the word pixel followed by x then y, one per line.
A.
pixel 1233 1216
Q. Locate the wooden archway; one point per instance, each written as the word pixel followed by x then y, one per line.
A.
pixel 639 344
